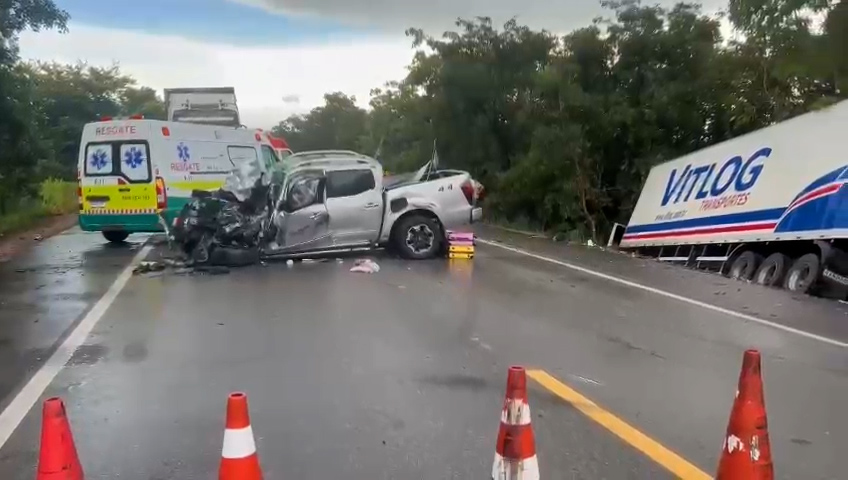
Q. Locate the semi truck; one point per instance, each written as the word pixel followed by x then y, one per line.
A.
pixel 769 207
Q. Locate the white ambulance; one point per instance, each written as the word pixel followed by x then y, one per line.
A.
pixel 135 174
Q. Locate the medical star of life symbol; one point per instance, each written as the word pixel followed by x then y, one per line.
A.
pixel 182 152
pixel 133 157
pixel 98 159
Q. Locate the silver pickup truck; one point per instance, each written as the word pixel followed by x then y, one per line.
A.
pixel 339 200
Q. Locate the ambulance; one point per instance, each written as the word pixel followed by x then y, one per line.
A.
pixel 135 175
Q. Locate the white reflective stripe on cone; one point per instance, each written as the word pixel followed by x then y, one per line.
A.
pixel 238 443
pixel 516 413
pixel 527 469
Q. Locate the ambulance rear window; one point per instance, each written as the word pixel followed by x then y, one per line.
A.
pixel 130 160
pixel 135 163
pixel 98 159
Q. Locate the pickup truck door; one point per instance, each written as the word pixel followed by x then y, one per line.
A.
pixel 303 223
pixel 355 204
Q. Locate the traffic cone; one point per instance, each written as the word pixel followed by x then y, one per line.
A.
pixel 239 460
pixel 515 452
pixel 57 456
pixel 746 452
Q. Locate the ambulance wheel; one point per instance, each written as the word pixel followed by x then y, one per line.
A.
pixel 803 276
pixel 115 236
pixel 745 265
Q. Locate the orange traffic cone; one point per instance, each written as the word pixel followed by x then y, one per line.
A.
pixel 746 453
pixel 239 460
pixel 57 457
pixel 515 452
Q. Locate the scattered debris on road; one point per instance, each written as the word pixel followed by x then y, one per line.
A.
pixel 148 267
pixel 365 265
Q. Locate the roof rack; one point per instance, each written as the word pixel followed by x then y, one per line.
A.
pixel 327 153
pixel 331 161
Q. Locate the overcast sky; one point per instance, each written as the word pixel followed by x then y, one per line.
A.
pixel 280 55
pixel 439 15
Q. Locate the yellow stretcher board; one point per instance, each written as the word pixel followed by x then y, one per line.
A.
pixel 461 249
pixel 467 256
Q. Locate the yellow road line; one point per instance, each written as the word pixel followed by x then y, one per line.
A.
pixel 673 462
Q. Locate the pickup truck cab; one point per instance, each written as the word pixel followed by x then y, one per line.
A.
pixel 337 200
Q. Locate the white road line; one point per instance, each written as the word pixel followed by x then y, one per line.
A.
pixel 739 315
pixel 35 387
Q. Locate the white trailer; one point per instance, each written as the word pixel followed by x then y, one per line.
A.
pixel 205 106
pixel 770 206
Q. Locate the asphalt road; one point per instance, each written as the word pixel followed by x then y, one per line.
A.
pixel 400 374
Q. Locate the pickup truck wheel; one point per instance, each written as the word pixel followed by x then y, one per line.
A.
pixel 418 237
pixel 745 265
pixel 773 270
pixel 803 276
pixel 115 236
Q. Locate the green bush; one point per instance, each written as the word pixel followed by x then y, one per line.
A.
pixel 27 213
pixel 57 198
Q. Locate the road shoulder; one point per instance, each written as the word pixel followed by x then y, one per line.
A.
pixel 818 317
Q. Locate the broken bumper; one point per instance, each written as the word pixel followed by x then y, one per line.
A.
pixel 476 214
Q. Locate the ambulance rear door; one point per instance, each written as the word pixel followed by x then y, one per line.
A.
pixel 117 172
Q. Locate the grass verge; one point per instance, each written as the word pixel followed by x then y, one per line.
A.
pixel 56 197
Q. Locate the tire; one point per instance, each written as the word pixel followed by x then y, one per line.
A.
pixel 234 257
pixel 804 275
pixel 745 265
pixel 418 237
pixel 115 236
pixel 200 253
pixel 773 270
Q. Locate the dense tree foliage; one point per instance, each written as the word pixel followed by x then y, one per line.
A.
pixel 563 130
pixel 43 106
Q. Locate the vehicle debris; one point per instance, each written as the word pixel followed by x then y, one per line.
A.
pixel 225 227
pixel 149 267
pixel 365 265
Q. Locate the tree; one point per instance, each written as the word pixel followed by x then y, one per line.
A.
pixel 338 124
pixel 20 148
pixel 69 96
pixel 787 66
pixel 142 101
pixel 476 82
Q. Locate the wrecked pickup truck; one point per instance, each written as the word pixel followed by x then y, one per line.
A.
pixel 324 202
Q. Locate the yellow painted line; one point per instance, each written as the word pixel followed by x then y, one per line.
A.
pixel 671 461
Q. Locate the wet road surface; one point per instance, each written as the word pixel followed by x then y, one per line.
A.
pixel 44 291
pixel 400 374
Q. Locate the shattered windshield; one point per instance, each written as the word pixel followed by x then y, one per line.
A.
pixel 243 178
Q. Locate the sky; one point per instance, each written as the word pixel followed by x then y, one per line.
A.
pixel 280 55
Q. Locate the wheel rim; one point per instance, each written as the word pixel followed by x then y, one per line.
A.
pixel 767 274
pixel 798 278
pixel 420 238
pixel 736 273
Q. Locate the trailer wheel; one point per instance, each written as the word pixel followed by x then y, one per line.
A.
pixel 804 274
pixel 772 271
pixel 745 265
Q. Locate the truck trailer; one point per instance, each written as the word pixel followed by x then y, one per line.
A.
pixel 770 206
pixel 203 105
